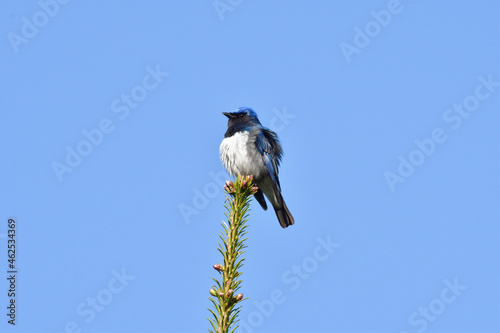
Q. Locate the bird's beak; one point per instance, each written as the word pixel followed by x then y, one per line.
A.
pixel 227 114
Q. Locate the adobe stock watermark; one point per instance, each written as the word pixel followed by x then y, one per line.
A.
pixel 223 6
pixel 454 116
pixel 31 27
pixel 292 278
pixel 88 309
pixel 425 315
pixel 202 196
pixel 121 107
pixel 364 36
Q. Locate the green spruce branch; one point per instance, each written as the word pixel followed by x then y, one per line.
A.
pixel 225 299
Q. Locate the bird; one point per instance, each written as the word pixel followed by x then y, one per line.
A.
pixel 248 148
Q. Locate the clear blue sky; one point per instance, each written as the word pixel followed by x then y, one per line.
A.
pixel 388 113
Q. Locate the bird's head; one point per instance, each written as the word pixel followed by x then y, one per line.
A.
pixel 242 117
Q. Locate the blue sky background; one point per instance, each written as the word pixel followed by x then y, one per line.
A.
pixel 420 255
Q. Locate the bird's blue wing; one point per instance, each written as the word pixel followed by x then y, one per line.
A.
pixel 270 149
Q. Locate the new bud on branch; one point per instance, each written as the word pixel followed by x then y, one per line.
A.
pixel 229 187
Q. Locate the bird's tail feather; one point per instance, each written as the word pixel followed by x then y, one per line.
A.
pixel 259 196
pixel 284 216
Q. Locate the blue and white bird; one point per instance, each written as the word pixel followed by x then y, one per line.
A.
pixel 249 148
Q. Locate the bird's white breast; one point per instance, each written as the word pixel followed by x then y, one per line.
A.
pixel 240 156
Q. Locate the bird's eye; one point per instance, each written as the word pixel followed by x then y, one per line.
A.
pixel 241 115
